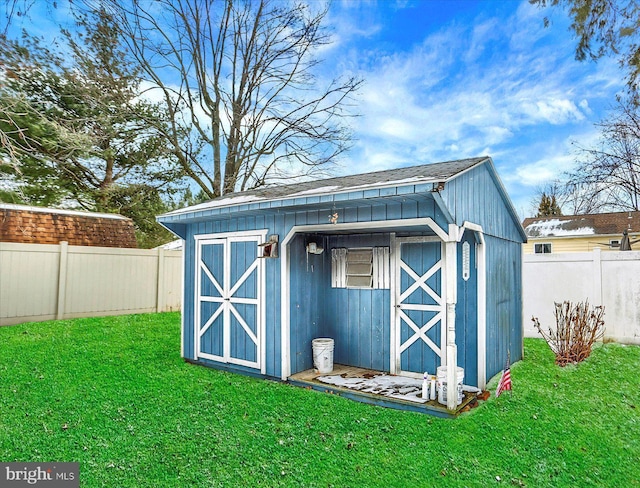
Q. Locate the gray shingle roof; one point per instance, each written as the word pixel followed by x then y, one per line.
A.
pixel 425 172
pixel 435 172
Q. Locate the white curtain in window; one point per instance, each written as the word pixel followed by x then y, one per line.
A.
pixel 381 272
pixel 339 267
pixel 350 269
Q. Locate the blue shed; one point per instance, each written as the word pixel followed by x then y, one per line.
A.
pixel 406 269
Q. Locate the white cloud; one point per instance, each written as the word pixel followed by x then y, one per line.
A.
pixel 496 134
pixel 544 170
pixel 481 33
pixel 506 87
pixel 553 110
pixel 397 128
pixel 584 105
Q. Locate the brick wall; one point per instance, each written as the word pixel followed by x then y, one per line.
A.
pixel 42 227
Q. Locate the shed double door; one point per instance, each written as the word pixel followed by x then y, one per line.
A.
pixel 229 300
pixel 419 306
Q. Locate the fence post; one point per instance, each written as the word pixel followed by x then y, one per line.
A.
pixel 596 276
pixel 62 279
pixel 160 298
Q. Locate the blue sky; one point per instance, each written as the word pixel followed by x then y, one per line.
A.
pixel 460 78
pixel 450 79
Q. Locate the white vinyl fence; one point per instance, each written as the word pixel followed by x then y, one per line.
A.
pixel 46 282
pixel 610 278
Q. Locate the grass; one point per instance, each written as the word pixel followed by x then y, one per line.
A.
pixel 114 395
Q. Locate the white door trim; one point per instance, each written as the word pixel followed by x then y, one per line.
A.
pixel 397 347
pixel 227 297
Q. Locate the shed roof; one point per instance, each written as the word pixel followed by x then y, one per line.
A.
pixel 613 223
pixel 425 182
pixel 410 175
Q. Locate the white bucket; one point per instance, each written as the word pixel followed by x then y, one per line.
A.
pixel 441 384
pixel 323 354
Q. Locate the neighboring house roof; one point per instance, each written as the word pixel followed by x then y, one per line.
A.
pixel 39 225
pixel 582 225
pixel 411 175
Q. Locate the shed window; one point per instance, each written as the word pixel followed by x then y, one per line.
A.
pixel 360 267
pixel 544 248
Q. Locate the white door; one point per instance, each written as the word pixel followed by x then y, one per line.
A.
pixel 229 299
pixel 419 338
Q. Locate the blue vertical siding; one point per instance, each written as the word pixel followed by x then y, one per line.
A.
pixel 188 317
pixel 504 303
pixel 467 314
pixel 474 196
pixel 307 282
pixel 359 319
pixel 275 224
pixel 241 345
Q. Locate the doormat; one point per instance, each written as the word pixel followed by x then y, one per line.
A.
pixel 399 387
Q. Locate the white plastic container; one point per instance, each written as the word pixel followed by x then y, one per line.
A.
pixel 425 386
pixel 442 384
pixel 322 354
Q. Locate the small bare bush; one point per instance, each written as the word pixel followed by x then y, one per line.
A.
pixel 577 328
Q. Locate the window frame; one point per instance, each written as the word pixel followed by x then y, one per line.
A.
pixel 544 246
pixel 368 264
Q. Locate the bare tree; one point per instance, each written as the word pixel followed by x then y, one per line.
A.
pixel 609 174
pixel 572 198
pixel 577 198
pixel 239 81
pixel 13 9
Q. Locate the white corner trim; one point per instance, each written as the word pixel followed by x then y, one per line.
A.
pixel 451 259
pixel 482 311
pixel 184 296
pixel 285 324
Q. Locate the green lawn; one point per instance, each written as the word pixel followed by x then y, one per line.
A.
pixel 114 395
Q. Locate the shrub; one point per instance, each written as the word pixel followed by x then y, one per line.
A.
pixel 577 328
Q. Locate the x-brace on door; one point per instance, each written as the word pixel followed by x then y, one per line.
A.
pixel 229 300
